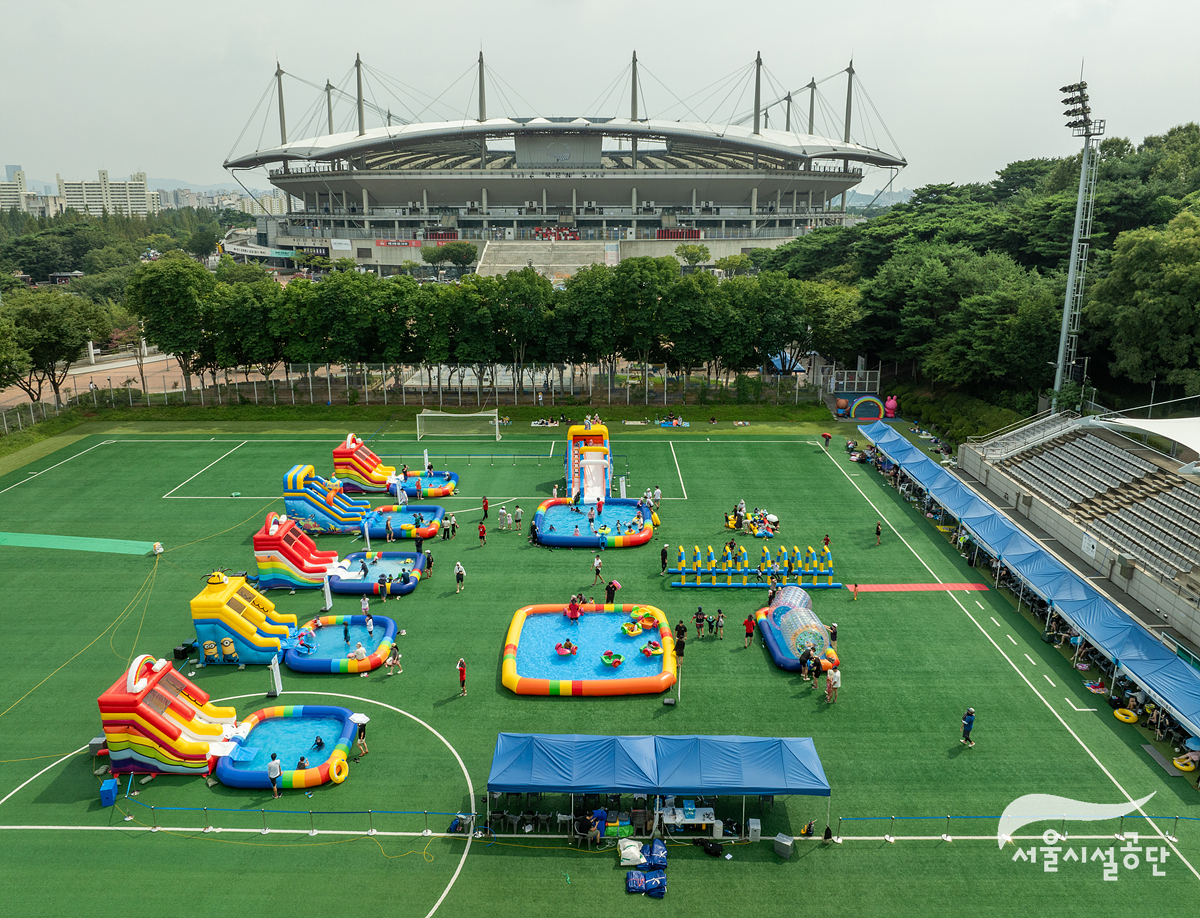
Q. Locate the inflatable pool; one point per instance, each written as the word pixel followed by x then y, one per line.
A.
pixel 531 667
pixel 433 484
pixel 404 569
pixel 556 522
pixel 331 647
pixel 403 519
pixel 788 625
pixel 289 732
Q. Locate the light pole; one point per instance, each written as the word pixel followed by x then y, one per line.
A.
pixel 1082 125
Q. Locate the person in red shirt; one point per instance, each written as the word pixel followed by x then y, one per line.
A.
pixel 485 506
pixel 482 534
pixel 462 676
pixel 749 623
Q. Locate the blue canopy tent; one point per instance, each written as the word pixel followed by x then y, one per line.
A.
pixel 656 765
pixel 1168 679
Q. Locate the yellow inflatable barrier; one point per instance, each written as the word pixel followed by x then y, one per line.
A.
pixel 1125 715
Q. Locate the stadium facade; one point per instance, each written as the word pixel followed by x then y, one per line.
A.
pixel 378 193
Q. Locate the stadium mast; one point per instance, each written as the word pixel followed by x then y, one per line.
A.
pixel 633 113
pixel 482 116
pixel 362 118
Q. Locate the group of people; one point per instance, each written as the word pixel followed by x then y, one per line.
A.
pixel 756 521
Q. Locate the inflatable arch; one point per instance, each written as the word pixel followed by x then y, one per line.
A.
pixel 870 400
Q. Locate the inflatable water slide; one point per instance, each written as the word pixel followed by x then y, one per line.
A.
pixel 237 624
pixel 288 558
pixel 157 721
pixel 588 462
pixel 359 469
pixel 319 505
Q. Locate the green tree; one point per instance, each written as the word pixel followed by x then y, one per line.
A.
pixel 53 328
pixel 586 312
pixel 638 288
pixel 127 332
pixel 230 272
pixel 171 298
pixel 461 254
pixel 521 313
pixel 734 265
pixel 689 322
pixel 246 334
pixel 201 243
pixel 1148 305
pixel 14 359
pixel 434 255
pixel 692 253
pixel 104 259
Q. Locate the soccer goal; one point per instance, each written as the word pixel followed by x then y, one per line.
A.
pixel 446 424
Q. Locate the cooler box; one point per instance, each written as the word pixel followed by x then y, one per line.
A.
pixel 755 828
pixel 108 792
pixel 783 846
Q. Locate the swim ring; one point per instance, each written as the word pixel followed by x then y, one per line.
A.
pixel 604 530
pixel 652 649
pixel 1125 715
pixel 612 659
pixel 1183 763
pixel 631 629
pixel 338 771
pixel 566 651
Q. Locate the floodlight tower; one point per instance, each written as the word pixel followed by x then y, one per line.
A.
pixel 1082 125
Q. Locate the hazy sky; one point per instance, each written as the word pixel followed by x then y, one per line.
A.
pixel 963 87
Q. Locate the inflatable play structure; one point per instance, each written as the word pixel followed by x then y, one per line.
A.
pixel 789 628
pixel 405 524
pixel 606 659
pixel 357 467
pixel 388 573
pixel 287 558
pixel 889 406
pixel 812 570
pixel 156 721
pixel 619 522
pixel 290 732
pixel 319 505
pixel 237 624
pixel 327 644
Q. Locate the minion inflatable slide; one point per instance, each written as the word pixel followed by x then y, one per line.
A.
pixel 237 624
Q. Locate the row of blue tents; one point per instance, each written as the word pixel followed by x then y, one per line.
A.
pixel 1168 679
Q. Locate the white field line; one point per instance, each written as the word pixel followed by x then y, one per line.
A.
pixel 33 475
pixel 994 622
pixel 205 469
pixel 40 773
pixel 677 471
pixel 1048 679
pixel 1049 707
pixel 1031 659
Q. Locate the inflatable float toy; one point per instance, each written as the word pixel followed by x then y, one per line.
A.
pixel 319 505
pixel 1184 763
pixel 275 730
pixel 527 669
pixel 329 653
pixel 566 651
pixel 403 521
pixel 643 619
pixel 608 658
pixel 652 648
pixel 1125 715
pixel 631 629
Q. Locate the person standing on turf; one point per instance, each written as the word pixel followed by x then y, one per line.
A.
pixel 833 635
pixel 485 506
pixel 833 681
pixel 596 567
pixel 698 618
pixel 610 591
pixel 365 604
pixel 657 497
pixel 462 676
pixel 748 624
pixel 878 532
pixel 826 543
pixel 460 574
pixel 968 722
pixel 274 770
pixel 418 542
pixel 453 527
pixel 663 555
pixel 429 564
pixel 482 535
pixel 680 631
pixel 720 624
pixel 517 516
pixel 856 592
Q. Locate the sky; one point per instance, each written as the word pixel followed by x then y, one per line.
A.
pixel 963 88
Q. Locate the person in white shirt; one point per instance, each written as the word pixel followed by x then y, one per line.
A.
pixel 274 770
pixel 460 574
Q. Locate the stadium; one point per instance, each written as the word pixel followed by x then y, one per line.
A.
pixel 614 186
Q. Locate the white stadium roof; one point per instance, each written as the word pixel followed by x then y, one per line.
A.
pixel 1185 431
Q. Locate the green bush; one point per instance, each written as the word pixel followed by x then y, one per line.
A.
pixel 953 416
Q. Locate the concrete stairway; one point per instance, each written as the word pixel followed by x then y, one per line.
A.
pixel 555 260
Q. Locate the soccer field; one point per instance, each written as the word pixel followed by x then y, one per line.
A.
pixel 912 661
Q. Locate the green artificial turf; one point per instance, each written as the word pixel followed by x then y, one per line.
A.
pixel 912 663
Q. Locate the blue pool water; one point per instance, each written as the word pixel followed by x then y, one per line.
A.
pixel 290 738
pixel 564 519
pixel 330 644
pixel 595 633
pixel 394 566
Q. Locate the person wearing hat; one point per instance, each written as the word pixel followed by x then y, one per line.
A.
pixel 968 722
pixel 663 557
pixel 833 635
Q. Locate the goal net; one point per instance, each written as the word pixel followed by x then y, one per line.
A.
pixel 447 424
